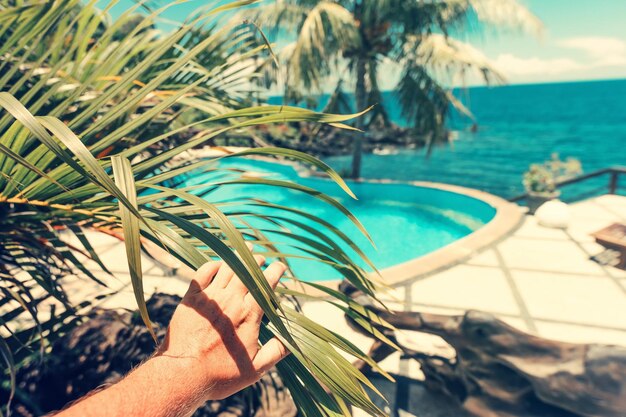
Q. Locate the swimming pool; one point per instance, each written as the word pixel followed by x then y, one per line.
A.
pixel 405 221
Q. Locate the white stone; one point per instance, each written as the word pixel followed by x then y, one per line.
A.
pixel 555 214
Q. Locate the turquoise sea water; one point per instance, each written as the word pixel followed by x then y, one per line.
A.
pixel 519 125
pixel 404 221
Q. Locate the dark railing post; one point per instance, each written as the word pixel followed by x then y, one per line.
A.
pixel 613 182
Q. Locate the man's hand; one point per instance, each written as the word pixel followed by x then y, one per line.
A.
pixel 216 325
pixel 211 351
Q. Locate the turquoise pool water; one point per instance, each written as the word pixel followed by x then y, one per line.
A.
pixel 405 221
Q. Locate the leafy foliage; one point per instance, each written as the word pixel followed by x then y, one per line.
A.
pixel 543 178
pixel 93 112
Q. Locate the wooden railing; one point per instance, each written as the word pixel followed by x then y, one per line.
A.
pixel 613 183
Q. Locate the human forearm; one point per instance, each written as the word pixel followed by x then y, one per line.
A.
pixel 163 386
pixel 211 350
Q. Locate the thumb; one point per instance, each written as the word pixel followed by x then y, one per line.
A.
pixel 269 355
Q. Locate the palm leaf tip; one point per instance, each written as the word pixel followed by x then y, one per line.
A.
pixel 125 181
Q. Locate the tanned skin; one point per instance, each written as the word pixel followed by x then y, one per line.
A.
pixel 211 351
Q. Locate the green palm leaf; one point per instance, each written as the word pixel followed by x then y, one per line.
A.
pixel 93 114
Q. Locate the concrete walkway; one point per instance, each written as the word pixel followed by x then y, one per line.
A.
pixel 540 280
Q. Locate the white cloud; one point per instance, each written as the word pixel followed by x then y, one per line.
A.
pixel 604 51
pixel 511 65
pixel 593 53
pixel 596 46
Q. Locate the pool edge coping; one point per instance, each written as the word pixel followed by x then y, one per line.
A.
pixel 507 219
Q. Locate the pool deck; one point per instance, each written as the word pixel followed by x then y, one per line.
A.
pixel 537 279
pixel 540 280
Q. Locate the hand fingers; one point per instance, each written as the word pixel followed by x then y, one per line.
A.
pixel 203 276
pixel 226 273
pixel 223 276
pixel 236 284
pixel 269 355
pixel 272 274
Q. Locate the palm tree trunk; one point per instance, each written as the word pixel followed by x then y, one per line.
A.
pixel 360 94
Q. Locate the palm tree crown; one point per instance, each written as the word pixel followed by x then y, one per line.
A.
pixel 353 38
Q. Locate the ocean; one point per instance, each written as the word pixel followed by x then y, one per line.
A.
pixel 518 125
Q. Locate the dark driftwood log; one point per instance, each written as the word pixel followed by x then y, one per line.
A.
pixel 106 347
pixel 501 371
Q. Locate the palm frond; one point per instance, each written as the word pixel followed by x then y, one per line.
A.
pixel 324 29
pixel 507 13
pixel 450 61
pixel 216 235
pixel 93 112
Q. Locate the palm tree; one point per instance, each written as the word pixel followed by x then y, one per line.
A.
pixel 91 114
pixel 350 40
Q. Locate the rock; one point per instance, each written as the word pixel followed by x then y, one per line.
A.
pixel 554 214
pixel 329 141
pixel 500 371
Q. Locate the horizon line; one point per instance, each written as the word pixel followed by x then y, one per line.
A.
pixel 592 80
pixel 275 94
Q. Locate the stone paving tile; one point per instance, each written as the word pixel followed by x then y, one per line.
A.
pixel 169 285
pixel 392 364
pixel 413 369
pixel 467 287
pixel 81 288
pixel 394 305
pixel 115 259
pixel 592 248
pixel 98 240
pixel 125 298
pixel 557 256
pixel 614 203
pixel 531 229
pixel 436 309
pixel 591 216
pixel 580 334
pixel 424 342
pixel 357 412
pixel 396 295
pixel 485 258
pixel 615 272
pixel 581 229
pixel 516 322
pixel 590 210
pixel 572 298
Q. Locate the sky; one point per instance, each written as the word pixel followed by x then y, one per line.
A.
pixel 582 40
